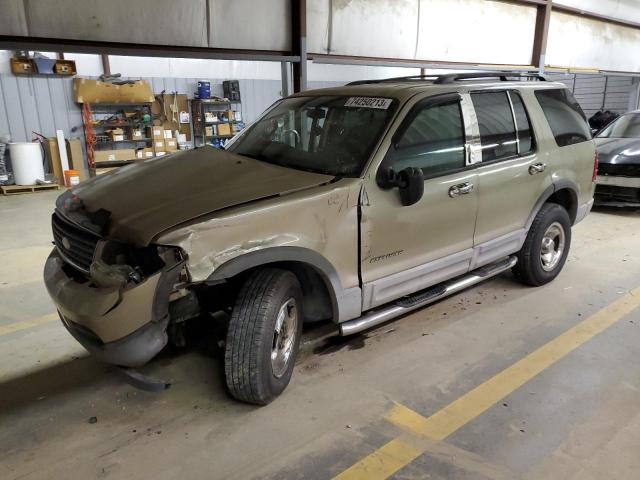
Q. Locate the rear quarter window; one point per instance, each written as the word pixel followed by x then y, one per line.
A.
pixel 565 117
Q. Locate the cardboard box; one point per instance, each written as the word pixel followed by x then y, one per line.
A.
pixel 116 134
pixel 168 134
pixel 137 134
pixel 158 145
pixel 95 91
pixel 224 129
pixel 170 144
pixel 76 156
pixel 144 153
pixel 114 155
pixel 163 107
pixel 209 131
pixel 53 153
pixel 155 132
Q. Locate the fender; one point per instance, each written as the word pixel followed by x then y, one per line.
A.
pixel 573 187
pixel 346 302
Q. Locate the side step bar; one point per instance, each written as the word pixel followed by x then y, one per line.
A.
pixel 425 297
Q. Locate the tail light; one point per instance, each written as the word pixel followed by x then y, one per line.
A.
pixel 595 167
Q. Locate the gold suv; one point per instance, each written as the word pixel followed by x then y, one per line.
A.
pixel 354 204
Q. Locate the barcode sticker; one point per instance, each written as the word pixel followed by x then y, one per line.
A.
pixel 369 102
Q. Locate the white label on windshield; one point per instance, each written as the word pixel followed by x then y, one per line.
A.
pixel 369 102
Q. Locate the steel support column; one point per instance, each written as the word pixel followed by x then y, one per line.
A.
pixel 285 75
pixel 299 43
pixel 543 17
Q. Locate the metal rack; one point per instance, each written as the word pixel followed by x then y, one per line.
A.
pixel 199 108
pixel 101 112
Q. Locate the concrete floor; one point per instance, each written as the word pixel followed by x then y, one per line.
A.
pixel 577 419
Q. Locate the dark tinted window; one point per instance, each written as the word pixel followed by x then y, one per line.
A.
pixel 525 136
pixel 566 119
pixel 433 141
pixel 497 131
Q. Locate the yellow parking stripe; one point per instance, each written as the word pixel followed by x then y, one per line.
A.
pixel 34 322
pixel 396 454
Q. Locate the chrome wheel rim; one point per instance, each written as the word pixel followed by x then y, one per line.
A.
pixel 284 337
pixel 552 246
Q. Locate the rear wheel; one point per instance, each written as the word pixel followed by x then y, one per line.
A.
pixel 546 247
pixel 263 337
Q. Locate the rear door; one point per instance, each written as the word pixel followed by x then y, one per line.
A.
pixel 512 175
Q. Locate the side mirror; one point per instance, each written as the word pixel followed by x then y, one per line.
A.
pixel 410 183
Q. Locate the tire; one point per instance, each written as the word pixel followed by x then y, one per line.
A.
pixel 251 374
pixel 536 264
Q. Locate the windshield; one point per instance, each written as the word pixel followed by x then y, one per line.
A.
pixel 626 126
pixel 333 135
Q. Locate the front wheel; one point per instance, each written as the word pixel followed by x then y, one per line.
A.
pixel 263 337
pixel 546 247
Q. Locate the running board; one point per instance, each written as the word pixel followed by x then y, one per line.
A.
pixel 425 297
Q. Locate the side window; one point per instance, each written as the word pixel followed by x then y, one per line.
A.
pixel 524 133
pixel 566 119
pixel 433 141
pixel 497 130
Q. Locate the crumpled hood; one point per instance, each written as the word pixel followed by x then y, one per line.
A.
pixel 148 197
pixel 621 151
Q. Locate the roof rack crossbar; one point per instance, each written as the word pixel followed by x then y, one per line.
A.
pixel 452 77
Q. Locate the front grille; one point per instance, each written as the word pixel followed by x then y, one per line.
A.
pixel 75 244
pixel 619 170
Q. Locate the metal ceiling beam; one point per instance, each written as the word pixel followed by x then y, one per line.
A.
pixel 392 62
pixel 541 35
pixel 299 43
pixel 145 50
pixel 594 16
pixel 575 11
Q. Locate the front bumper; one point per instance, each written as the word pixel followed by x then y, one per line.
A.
pixel 122 326
pixel 617 191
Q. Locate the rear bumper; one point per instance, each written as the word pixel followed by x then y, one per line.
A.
pixel 122 326
pixel 583 211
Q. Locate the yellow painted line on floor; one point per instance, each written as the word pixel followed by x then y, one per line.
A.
pixel 23 325
pixel 397 453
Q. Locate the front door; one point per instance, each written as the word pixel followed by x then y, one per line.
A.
pixel 408 248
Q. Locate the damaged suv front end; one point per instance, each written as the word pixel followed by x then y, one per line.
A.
pixel 112 297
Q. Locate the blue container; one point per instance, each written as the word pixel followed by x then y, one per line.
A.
pixel 204 89
pixel 45 65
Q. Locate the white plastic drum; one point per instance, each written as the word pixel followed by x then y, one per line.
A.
pixel 26 162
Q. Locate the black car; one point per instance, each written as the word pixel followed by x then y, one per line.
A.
pixel 618 144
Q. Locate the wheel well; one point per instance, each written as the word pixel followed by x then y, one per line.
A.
pixel 318 301
pixel 566 198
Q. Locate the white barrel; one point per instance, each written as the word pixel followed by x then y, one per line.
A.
pixel 26 162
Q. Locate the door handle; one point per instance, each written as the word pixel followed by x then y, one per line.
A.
pixel 537 168
pixel 460 189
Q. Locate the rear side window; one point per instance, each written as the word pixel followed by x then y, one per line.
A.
pixel 566 119
pixel 497 130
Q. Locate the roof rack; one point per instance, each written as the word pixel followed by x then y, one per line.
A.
pixel 452 77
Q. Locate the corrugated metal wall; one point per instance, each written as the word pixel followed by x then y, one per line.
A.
pixel 45 104
pixel 596 92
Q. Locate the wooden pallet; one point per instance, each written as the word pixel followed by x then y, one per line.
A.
pixel 20 189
